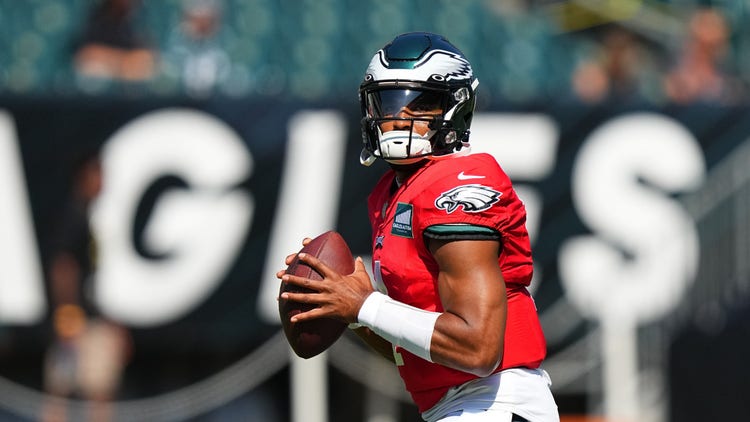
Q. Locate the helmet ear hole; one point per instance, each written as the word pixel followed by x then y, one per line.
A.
pixel 450 137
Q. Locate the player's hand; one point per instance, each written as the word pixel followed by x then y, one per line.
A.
pixel 337 295
pixel 289 258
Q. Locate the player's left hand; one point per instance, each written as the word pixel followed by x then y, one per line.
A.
pixel 337 295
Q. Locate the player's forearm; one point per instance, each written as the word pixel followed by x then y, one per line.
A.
pixel 444 338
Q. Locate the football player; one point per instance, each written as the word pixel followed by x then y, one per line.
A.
pixel 451 254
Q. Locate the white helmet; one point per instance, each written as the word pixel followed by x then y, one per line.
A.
pixel 422 71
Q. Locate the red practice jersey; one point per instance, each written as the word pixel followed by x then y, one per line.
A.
pixel 466 190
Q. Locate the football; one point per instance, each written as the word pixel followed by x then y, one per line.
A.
pixel 310 338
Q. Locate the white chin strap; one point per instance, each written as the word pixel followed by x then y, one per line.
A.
pixel 366 158
pixel 394 146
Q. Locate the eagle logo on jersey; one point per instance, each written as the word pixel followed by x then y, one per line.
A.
pixel 473 198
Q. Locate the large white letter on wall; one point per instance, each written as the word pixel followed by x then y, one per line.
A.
pixel 21 280
pixel 197 231
pixel 643 252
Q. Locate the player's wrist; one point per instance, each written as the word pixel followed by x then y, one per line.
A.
pixel 369 309
pixel 356 324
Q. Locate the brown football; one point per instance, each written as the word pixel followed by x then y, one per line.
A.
pixel 310 338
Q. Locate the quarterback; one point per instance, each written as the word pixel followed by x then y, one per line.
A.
pixel 449 303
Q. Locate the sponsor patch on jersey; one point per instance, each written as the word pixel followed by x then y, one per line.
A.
pixel 472 198
pixel 402 220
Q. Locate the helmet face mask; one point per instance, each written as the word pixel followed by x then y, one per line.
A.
pixel 421 87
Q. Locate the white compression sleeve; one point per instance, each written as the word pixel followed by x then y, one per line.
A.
pixel 399 323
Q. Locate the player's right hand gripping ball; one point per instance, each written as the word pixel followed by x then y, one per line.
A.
pixel 312 337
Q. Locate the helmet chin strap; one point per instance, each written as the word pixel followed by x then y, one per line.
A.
pixel 405 145
pixel 367 158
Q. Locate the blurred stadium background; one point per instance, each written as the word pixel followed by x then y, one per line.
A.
pixel 623 123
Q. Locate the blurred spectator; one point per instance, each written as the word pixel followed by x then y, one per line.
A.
pixel 111 45
pixel 194 53
pixel 700 73
pixel 621 69
pixel 87 353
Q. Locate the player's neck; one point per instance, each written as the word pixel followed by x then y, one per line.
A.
pixel 403 172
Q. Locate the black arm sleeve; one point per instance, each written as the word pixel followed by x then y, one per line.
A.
pixel 461 232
